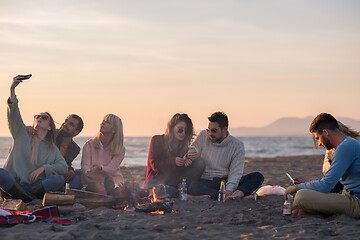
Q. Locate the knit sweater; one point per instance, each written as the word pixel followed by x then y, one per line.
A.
pixel 110 165
pixel 18 162
pixel 225 159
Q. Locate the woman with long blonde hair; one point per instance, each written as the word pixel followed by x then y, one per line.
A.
pixel 34 165
pixel 102 156
pixel 168 162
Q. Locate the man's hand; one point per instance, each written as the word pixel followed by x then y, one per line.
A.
pixel 290 190
pixel 70 175
pixel 298 181
pixel 35 174
pixel 228 194
pixel 193 154
pixel 179 161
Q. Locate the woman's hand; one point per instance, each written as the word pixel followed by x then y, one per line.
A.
pixel 187 162
pixel 179 161
pixel 30 130
pixel 16 81
pixel 96 168
pixel 35 174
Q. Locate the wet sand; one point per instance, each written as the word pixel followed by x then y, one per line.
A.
pixel 203 218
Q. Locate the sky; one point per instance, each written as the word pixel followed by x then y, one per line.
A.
pixel 146 60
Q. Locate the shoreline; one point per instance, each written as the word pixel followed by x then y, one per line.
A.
pixel 203 218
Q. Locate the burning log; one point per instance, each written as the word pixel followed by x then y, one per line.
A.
pixel 154 206
pixel 160 202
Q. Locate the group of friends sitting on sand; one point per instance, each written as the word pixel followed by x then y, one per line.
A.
pixel 40 160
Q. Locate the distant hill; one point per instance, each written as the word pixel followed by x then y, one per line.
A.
pixel 289 126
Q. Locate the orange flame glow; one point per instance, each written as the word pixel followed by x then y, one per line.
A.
pixel 157 213
pixel 154 197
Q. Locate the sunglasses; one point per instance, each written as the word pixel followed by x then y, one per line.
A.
pixel 180 130
pixel 43 117
pixel 213 130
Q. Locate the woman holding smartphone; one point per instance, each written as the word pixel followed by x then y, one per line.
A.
pixel 34 165
pixel 168 161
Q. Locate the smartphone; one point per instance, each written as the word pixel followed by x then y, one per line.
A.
pixel 291 179
pixel 25 77
pixel 192 147
pixel 186 154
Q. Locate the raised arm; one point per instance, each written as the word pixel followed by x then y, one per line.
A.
pixel 15 122
pixel 16 81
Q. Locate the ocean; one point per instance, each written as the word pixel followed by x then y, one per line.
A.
pixel 137 148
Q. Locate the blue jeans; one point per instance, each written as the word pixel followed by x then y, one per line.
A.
pixel 75 183
pixel 247 185
pixel 52 183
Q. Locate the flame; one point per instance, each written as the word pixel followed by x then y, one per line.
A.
pixel 154 197
pixel 157 213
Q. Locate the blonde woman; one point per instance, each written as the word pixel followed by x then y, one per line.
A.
pixel 34 165
pixel 102 156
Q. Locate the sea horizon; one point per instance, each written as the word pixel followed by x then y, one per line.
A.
pixel 255 147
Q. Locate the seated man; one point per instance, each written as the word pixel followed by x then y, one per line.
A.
pixel 314 198
pixel 224 157
pixel 70 128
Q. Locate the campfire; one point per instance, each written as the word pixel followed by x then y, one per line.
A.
pixel 159 202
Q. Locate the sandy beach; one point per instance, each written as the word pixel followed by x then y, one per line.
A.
pixel 203 218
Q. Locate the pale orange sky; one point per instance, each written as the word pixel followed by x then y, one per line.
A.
pixel 146 60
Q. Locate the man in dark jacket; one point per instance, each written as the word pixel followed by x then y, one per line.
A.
pixel 70 128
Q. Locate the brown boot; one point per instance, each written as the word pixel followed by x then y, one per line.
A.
pixel 18 192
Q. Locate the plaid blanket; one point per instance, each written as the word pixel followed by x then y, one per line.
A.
pixel 43 214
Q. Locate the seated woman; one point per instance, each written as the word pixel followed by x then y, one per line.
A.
pixel 166 162
pixel 102 156
pixel 34 165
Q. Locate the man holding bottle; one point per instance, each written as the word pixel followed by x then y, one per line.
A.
pixel 314 198
pixel 224 157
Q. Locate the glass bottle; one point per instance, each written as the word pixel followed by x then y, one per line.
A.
pixel 67 188
pixel 222 196
pixel 287 207
pixel 183 190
